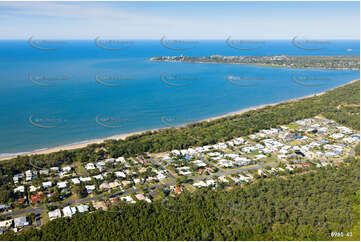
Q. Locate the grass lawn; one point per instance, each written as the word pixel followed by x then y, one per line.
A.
pixel 79 168
pixel 292 126
pixel 44 217
pixel 189 188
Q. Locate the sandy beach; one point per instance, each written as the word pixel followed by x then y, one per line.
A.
pixel 123 136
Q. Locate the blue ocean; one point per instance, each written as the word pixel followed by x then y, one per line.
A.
pixel 84 90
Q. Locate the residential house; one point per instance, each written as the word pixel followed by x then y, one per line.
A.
pixel 66 169
pixel 90 166
pixel 21 222
pixel 19 189
pixel 90 188
pixel 47 184
pixel 62 184
pixel 120 174
pixel 82 208
pixel 85 179
pixel 75 181
pixel 54 214
pixel 69 211
pixel 6 223
pixel 128 199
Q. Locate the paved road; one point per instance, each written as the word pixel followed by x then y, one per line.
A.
pixel 161 166
pixel 24 211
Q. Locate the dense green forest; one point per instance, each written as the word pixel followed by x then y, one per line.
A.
pixel 295 207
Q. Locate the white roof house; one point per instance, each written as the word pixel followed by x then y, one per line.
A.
pixel 100 165
pixel 69 211
pixel 90 188
pixel 225 163
pixel 337 136
pixel 6 223
pixel 120 174
pixel 350 140
pixel 19 189
pixel 66 169
pixel 199 163
pixel 128 199
pixel 99 177
pixel 211 182
pixel 28 174
pixel 261 172
pixel 85 179
pixel 54 214
pixel 260 156
pixel 54 168
pixel 120 159
pixel 344 130
pixel 62 184
pixel 223 179
pixel 47 184
pixel 75 181
pixel 21 222
pixel 161 176
pixel 90 166
pixel 244 178
pixel 33 188
pixel 200 184
pixel 82 208
pixel 44 172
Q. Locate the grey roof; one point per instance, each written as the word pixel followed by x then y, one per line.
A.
pixel 21 221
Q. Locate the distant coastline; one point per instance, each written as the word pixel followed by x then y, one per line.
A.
pixel 342 62
pixel 82 144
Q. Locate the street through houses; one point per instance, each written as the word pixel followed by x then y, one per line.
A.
pixel 40 209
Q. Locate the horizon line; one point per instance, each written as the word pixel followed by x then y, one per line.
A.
pixel 158 39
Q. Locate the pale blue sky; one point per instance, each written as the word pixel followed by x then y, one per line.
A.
pixel 185 20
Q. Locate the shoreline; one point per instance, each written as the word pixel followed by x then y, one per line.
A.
pixel 263 65
pixel 83 144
